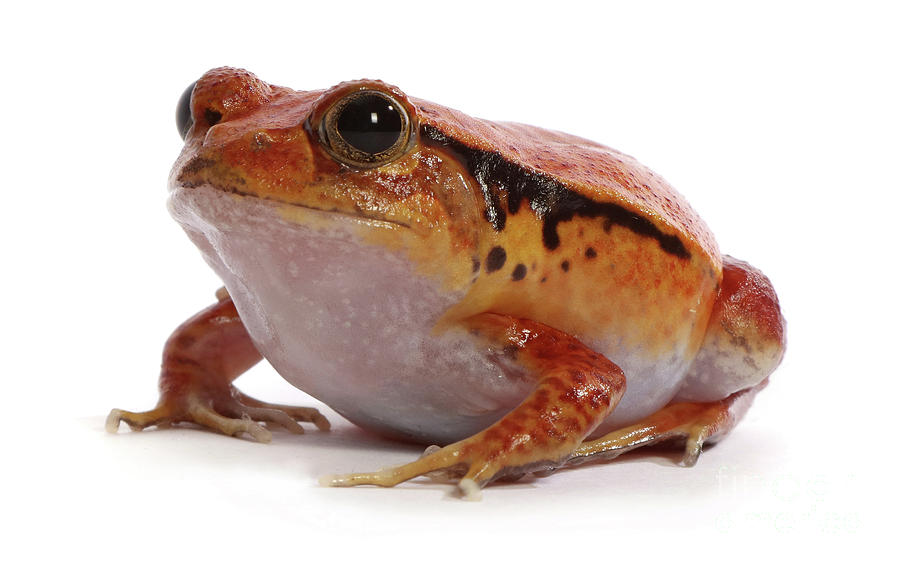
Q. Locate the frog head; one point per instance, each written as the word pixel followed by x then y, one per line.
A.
pixel 352 154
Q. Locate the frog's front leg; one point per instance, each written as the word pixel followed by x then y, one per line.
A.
pixel 200 360
pixel 576 389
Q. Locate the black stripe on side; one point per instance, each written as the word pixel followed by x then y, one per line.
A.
pixel 550 199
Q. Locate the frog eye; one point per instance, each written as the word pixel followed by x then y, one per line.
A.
pixel 183 117
pixel 366 129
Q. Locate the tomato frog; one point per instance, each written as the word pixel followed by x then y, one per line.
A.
pixel 523 299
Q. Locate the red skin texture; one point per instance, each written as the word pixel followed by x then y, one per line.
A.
pixel 748 306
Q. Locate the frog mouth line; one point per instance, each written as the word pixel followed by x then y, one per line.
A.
pixel 358 215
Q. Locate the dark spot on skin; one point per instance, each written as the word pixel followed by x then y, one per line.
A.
pixel 590 253
pixel 550 200
pixel 212 116
pixel 751 362
pixel 544 279
pixel 565 265
pixel 739 341
pixel 476 264
pixel 511 351
pixel 519 272
pixel 495 260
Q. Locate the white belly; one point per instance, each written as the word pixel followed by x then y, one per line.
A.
pixel 351 324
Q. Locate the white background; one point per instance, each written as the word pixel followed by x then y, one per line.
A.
pixel 778 121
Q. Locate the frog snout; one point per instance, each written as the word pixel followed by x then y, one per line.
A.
pixel 216 96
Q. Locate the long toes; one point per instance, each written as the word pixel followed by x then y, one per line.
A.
pixel 309 415
pixel 231 426
pixel 439 460
pixel 298 413
pixel 135 420
pixel 247 425
pixel 272 416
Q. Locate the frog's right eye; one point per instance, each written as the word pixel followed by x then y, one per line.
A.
pixel 366 129
pixel 183 117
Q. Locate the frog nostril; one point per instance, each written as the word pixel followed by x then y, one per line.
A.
pixel 212 116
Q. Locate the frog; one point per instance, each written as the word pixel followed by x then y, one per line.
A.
pixel 518 299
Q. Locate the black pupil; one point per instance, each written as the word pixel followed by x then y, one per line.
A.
pixel 370 123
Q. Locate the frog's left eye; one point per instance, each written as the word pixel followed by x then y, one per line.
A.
pixel 366 129
pixel 183 117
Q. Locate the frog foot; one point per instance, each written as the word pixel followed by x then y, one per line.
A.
pixel 697 423
pixel 232 414
pixel 465 463
pixel 200 360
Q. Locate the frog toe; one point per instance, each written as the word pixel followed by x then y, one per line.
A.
pixel 204 415
pixel 196 410
pixel 137 421
pixel 282 414
pixel 463 463
pixel 275 414
pixel 232 415
pixel 696 437
pixel 433 461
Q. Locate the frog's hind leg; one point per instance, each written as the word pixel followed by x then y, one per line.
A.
pixel 200 360
pixel 576 389
pixel 744 343
pixel 697 423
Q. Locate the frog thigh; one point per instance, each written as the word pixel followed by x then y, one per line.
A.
pixel 576 389
pixel 745 339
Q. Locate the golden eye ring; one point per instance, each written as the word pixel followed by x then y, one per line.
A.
pixel 366 128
